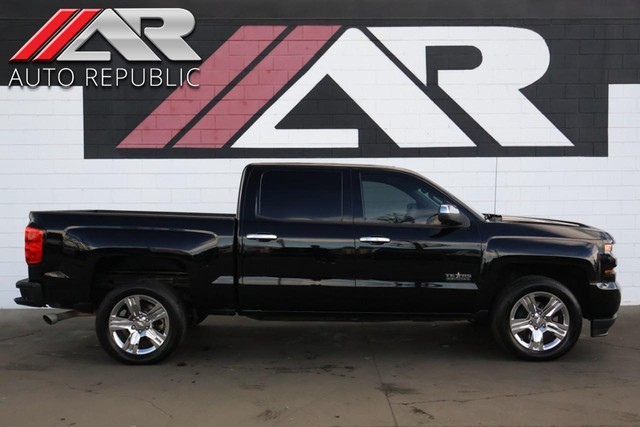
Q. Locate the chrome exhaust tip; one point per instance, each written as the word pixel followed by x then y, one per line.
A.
pixel 53 318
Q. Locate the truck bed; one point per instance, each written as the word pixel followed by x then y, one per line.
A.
pixel 84 246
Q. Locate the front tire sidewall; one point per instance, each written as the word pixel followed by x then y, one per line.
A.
pixel 164 296
pixel 513 293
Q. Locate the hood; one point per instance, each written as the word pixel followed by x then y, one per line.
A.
pixel 547 221
pixel 544 227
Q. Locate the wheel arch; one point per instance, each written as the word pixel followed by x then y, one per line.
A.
pixel 115 270
pixel 574 273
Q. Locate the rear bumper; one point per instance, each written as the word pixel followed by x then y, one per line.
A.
pixel 31 294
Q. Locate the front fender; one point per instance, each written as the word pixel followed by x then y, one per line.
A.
pixel 503 253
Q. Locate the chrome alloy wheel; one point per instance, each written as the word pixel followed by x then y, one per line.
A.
pixel 539 321
pixel 139 324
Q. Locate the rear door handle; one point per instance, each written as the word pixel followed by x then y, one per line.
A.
pixel 375 239
pixel 262 236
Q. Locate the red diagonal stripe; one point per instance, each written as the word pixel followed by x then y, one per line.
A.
pixel 232 112
pixel 43 35
pixel 66 35
pixel 224 65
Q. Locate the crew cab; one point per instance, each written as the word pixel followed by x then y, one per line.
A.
pixel 331 242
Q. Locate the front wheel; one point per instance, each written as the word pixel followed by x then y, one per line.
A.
pixel 140 324
pixel 537 318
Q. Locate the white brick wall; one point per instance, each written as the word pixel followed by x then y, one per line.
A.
pixel 42 167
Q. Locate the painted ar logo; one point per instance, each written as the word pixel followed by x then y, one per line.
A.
pixel 69 29
pixel 512 58
pixel 385 71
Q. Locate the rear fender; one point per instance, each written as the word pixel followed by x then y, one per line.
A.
pixel 84 248
pixel 92 241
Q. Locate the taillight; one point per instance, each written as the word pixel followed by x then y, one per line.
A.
pixel 33 242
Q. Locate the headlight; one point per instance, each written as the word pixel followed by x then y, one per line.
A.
pixel 608 261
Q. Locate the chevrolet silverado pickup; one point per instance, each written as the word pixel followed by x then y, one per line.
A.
pixel 332 242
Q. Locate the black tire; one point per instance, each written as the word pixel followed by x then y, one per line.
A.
pixel 542 337
pixel 158 328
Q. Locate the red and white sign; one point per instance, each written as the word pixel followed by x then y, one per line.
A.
pixel 62 36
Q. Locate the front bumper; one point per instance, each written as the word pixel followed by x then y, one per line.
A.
pixel 31 294
pixel 600 327
pixel 604 298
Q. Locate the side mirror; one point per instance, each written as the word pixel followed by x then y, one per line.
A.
pixel 451 215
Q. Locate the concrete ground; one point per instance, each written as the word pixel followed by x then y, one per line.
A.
pixel 240 372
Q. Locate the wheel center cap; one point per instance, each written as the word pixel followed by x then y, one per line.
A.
pixel 537 319
pixel 140 323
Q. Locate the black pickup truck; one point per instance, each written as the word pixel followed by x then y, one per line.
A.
pixel 333 242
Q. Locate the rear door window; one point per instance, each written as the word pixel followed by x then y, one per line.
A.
pixel 301 195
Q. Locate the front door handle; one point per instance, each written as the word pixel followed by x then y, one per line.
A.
pixel 375 239
pixel 265 237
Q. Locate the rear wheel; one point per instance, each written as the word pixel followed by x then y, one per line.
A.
pixel 537 318
pixel 140 324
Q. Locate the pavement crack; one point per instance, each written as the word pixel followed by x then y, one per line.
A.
pixel 303 407
pixel 382 383
pixel 139 399
pixel 147 401
pixel 498 396
pixel 20 336
pixel 167 414
pixel 608 344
